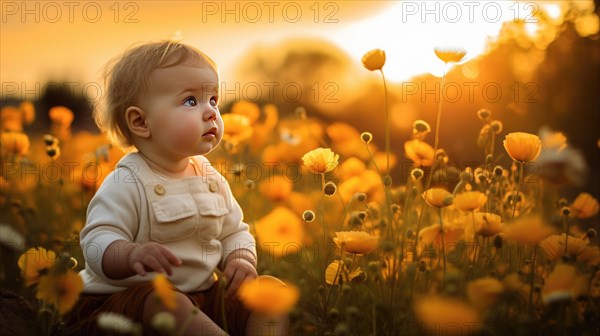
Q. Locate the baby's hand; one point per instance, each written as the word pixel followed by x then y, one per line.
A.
pixel 152 257
pixel 237 270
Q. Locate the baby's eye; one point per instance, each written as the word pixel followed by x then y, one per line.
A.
pixel 190 101
pixel 213 101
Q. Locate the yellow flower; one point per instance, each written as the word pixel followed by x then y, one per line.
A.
pixel 374 59
pixel 528 230
pixel 469 200
pixel 13 143
pixel 164 291
pixel 553 141
pixel 334 272
pixel 248 109
pixel 60 290
pixel 448 55
pixel 484 292
pixel 420 152
pixel 28 112
pixel 437 197
pixel 358 242
pixel 11 119
pixel 351 167
pixel 523 147
pixel 486 224
pixel 585 206
pixel 236 128
pixel 590 255
pixel 268 295
pixel 557 285
pixel 554 246
pixel 61 115
pixel 34 263
pixel 320 160
pixel 435 312
pixel 337 271
pixel 433 235
pixel 280 232
pixel 276 188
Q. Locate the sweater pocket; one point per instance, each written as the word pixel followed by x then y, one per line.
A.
pixel 175 218
pixel 212 209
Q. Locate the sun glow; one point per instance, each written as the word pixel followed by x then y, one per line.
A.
pixel 410 30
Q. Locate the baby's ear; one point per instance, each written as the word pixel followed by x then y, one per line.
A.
pixel 136 121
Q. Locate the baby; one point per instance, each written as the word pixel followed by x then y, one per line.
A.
pixel 165 209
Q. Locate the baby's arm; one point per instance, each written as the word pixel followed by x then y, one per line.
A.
pixel 139 259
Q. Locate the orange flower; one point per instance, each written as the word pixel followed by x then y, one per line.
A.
pixel 60 290
pixel 558 284
pixel 590 255
pixel 11 119
pixel 420 152
pixel 236 128
pixel 469 200
pixel 358 242
pixel 433 235
pixel 435 312
pixel 351 167
pixel 554 246
pixel 553 141
pixel 320 160
pixel 374 60
pixel 528 230
pixel 28 112
pixel 484 292
pixel 268 295
pixel 337 271
pixel 13 143
pixel 437 197
pixel 523 147
pixel 448 55
pixel 34 263
pixel 61 115
pixel 248 109
pixel 276 188
pixel 585 206
pixel 164 291
pixel 486 224
pixel 280 232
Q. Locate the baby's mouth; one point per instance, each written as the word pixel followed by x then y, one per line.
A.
pixel 212 132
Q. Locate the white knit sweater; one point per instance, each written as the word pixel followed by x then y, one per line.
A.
pixel 197 218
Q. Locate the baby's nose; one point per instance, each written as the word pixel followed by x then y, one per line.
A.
pixel 209 114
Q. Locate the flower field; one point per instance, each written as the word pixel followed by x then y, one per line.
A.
pixel 347 244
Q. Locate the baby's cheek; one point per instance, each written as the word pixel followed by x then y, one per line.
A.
pixel 188 133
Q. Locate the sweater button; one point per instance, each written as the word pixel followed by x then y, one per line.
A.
pixel 159 190
pixel 213 187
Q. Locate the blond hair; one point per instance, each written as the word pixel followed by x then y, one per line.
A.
pixel 126 80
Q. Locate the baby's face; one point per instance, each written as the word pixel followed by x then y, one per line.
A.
pixel 182 111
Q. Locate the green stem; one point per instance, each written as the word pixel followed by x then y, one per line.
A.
pixel 439 114
pixel 387 125
pixel 566 225
pixel 443 247
pixel 532 276
pixel 519 183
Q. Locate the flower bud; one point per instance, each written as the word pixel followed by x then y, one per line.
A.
pixel 329 189
pixel 366 137
pixel 361 197
pixel 300 112
pixel 483 114
pixel 387 181
pixel 496 126
pixel 308 216
pixel 566 211
pixel 417 173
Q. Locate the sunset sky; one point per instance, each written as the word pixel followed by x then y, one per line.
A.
pixel 71 41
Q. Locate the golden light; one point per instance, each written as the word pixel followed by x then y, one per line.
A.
pixel 409 31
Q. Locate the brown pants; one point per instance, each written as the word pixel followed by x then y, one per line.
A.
pixel 130 302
